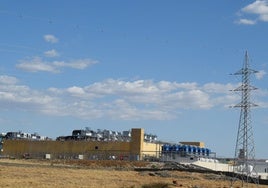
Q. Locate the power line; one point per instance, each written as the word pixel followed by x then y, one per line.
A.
pixel 244 161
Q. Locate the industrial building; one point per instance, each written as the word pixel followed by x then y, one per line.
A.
pixel 99 145
pixel 111 145
pixel 85 144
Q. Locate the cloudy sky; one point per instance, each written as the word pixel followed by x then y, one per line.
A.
pixel 161 65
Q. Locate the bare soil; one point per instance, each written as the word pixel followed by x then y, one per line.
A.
pixel 102 174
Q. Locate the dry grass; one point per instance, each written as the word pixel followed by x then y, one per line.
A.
pixel 110 174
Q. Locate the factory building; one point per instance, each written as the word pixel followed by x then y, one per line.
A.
pixel 110 145
pixel 86 145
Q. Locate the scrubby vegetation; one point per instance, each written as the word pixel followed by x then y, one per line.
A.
pixel 100 174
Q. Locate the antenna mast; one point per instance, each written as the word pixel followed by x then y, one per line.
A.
pixel 244 161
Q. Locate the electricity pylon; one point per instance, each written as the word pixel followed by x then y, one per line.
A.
pixel 244 161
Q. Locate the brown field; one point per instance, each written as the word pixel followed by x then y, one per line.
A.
pixel 110 174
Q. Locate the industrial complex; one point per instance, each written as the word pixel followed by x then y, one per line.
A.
pixel 83 144
pixel 111 145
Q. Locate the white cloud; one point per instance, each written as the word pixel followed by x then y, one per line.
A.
pixel 14 96
pixel 118 99
pixel 51 53
pixel 76 90
pixel 76 64
pixel 218 88
pixel 258 8
pixel 264 17
pixel 36 64
pixel 134 113
pixel 50 38
pixel 246 22
pixel 142 99
pixel 9 80
pixel 260 74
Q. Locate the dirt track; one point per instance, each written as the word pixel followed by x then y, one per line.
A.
pixel 110 174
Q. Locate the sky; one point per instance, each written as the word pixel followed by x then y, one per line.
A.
pixel 164 66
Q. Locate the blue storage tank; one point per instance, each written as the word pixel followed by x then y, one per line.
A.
pixel 207 151
pixel 194 149
pixel 189 149
pixel 166 148
pixel 184 148
pixel 169 148
pixel 203 150
pixel 176 148
pixel 198 150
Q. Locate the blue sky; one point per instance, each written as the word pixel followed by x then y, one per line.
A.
pixel 161 65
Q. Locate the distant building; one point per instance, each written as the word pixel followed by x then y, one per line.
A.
pixel 89 144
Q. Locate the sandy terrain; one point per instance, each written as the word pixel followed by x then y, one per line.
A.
pixel 30 173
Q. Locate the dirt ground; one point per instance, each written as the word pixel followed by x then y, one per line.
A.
pixel 110 174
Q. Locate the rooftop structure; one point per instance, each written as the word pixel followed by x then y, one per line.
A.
pixel 104 135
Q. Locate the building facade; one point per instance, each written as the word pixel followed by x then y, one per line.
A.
pixel 135 149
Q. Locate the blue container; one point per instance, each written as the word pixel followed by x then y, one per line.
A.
pixel 189 149
pixel 198 150
pixel 176 148
pixel 169 147
pixel 166 148
pixel 184 148
pixel 207 151
pixel 203 150
pixel 173 148
pixel 194 149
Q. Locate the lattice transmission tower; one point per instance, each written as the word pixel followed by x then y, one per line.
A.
pixel 244 161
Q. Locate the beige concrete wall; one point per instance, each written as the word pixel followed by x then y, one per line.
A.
pixel 20 147
pixel 151 149
pixel 135 149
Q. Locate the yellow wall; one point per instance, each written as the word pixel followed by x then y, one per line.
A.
pixel 135 149
pixel 20 147
pixel 151 149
